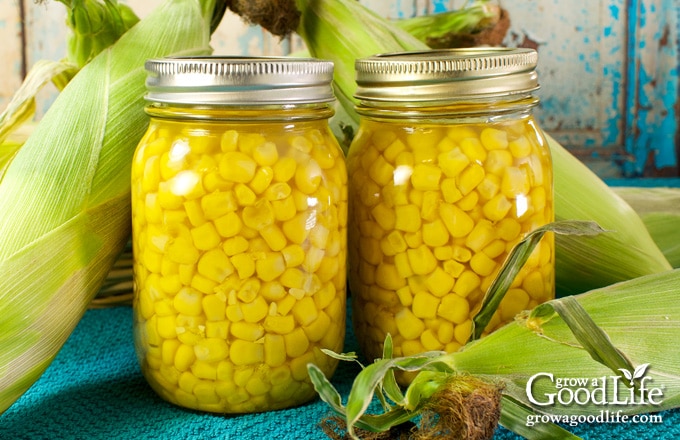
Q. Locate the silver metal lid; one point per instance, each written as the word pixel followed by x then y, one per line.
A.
pixel 218 80
pixel 447 74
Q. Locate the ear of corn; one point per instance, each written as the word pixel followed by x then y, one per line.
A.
pixel 659 209
pixel 64 199
pixel 626 251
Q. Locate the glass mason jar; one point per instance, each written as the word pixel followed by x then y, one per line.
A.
pixel 448 171
pixel 239 216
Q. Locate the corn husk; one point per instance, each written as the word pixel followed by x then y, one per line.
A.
pixel 64 199
pixel 659 209
pixel 627 251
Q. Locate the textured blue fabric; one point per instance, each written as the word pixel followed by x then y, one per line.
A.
pixel 94 389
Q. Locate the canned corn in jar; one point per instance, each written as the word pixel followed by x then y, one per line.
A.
pixel 448 171
pixel 239 211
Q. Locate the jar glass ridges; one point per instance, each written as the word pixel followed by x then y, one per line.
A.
pixel 239 209
pixel 447 172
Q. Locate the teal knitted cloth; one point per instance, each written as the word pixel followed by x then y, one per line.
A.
pixel 94 389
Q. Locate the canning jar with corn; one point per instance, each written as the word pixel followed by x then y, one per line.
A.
pixel 448 171
pixel 239 215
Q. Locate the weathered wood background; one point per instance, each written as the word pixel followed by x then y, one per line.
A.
pixel 608 68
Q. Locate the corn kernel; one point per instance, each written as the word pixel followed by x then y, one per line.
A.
pixel 421 260
pixel 426 177
pixel 520 147
pixel 188 302
pixel 244 195
pixel 256 310
pixel 430 341
pixel 473 148
pixel 470 177
pixel 228 225
pixel 407 218
pixel 482 264
pixel 458 223
pixel 408 324
pixel 381 171
pixel 493 138
pixel 439 282
pixel 462 332
pixel 308 177
pixel 425 305
pixel 305 311
pixel 297 228
pixel 266 154
pixel 244 265
pixel 497 161
pixel 466 283
pixel 246 352
pixel 453 162
pixel 281 325
pixel 388 276
pixel 211 349
pixel 435 233
pixel 317 329
pixel 217 329
pixel 296 343
pixel 184 357
pixel 274 351
pixel 481 235
pixel 261 180
pixel 514 182
pixel 205 236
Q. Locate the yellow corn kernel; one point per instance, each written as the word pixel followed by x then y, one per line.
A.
pixel 381 171
pixel 218 203
pixel 244 195
pixel 324 296
pixel 430 341
pixel 508 229
pixel 460 132
pixel 184 357
pixel 458 223
pixel 215 265
pixel 316 330
pixel 482 264
pixel 246 352
pixel 188 302
pixel 473 148
pixel 382 139
pixel 429 209
pixel 481 235
pixel 393 150
pixel 228 225
pixel 443 253
pixel 425 305
pixel 266 154
pixel 308 176
pixel 284 169
pixel 247 142
pixel 261 180
pixel 383 215
pixel 450 191
pixel 277 191
pixel 462 332
pixel 258 215
pixel 421 260
pixel 423 139
pixel 389 277
pixel 217 329
pixel 247 331
pixel 514 182
pixel 304 311
pixel 493 138
pixel 520 147
pixel 194 212
pixel 495 249
pixel 405 297
pixel 274 350
pixel 297 228
pixel 169 350
pixel 279 324
pixel 470 177
pixel 284 209
pixel 497 161
pixel 435 233
pixel 407 218
pixel 237 167
pixel 408 324
pixel 454 308
pixel 229 141
pixel 425 177
pixel 296 343
pixel 270 267
pixel 244 265
pixel 489 187
pixel 205 236
pixel 466 283
pixel 439 282
pixel 497 208
pixel 235 245
pixel 515 301
pixel 211 349
pixel 453 162
pixel 393 243
pixel 256 310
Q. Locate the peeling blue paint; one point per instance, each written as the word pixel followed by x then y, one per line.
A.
pixel 614 11
pixel 440 6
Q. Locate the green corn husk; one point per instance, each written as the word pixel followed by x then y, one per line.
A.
pixel 65 197
pixel 447 29
pixel 344 30
pixel 626 252
pixel 659 209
